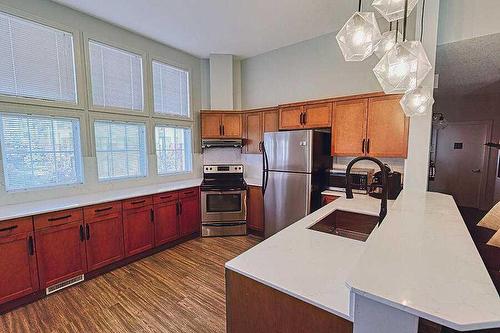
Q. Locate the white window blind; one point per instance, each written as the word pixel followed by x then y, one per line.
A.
pixel 36 61
pixel 40 151
pixel 120 150
pixel 116 77
pixel 170 90
pixel 173 149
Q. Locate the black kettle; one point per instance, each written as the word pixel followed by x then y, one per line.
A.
pixel 394 185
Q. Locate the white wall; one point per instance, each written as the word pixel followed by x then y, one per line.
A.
pixel 464 19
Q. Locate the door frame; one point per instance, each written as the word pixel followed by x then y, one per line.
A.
pixel 481 200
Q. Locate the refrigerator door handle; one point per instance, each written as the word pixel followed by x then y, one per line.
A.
pixel 265 171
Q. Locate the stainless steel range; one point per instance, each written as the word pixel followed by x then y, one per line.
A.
pixel 223 201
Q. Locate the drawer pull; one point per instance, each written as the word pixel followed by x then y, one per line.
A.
pixel 138 202
pixel 100 210
pixel 59 218
pixel 188 193
pixel 87 229
pixel 9 228
pixel 31 246
pixel 166 197
pixel 82 234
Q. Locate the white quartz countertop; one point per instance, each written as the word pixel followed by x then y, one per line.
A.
pixel 8 212
pixel 421 260
pixel 310 265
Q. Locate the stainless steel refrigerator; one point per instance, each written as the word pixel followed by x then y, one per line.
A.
pixel 294 174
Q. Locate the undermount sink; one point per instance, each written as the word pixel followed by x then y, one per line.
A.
pixel 347 224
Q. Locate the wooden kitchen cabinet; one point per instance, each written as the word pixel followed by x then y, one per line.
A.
pixel 18 265
pixel 374 127
pixel 254 131
pixel 166 211
pixel 326 199
pixel 103 234
pixel 291 117
pixel 255 208
pixel 189 211
pixel 138 225
pixel 271 119
pixel 307 116
pixel 225 125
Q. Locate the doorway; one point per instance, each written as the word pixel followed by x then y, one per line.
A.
pixel 462 162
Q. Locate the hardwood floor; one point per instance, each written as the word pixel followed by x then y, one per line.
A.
pixel 178 290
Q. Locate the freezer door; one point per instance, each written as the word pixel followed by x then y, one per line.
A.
pixel 289 151
pixel 286 200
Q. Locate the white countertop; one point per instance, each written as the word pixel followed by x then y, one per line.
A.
pixel 45 206
pixel 253 181
pixel 310 265
pixel 421 260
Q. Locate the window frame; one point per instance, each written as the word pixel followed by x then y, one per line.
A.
pixel 162 60
pixel 77 57
pixel 173 125
pixel 15 110
pixel 121 119
pixel 87 38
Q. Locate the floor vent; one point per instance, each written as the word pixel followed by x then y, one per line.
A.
pixel 64 284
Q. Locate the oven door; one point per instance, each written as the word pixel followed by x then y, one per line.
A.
pixel 221 206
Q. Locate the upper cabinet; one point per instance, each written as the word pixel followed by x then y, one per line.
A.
pixel 253 132
pixel 374 127
pixel 271 120
pixel 315 115
pixel 216 125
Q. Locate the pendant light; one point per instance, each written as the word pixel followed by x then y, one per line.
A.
pixel 393 10
pixel 359 36
pixel 389 39
pixel 403 67
pixel 417 102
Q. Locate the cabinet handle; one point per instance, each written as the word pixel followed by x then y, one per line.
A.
pixel 180 207
pixel 188 193
pixel 177 208
pixel 223 130
pixel 152 215
pixel 363 146
pixel 260 146
pixel 12 227
pixel 300 118
pixel 368 146
pixel 31 246
pixel 166 197
pixel 102 209
pixel 305 117
pixel 138 202
pixel 82 236
pixel 59 218
pixel 87 227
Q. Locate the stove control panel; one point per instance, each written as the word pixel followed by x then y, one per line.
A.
pixel 223 168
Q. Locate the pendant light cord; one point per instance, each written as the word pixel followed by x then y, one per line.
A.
pixel 422 22
pixel 405 19
pixel 359 6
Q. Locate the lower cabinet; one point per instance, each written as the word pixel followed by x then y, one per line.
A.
pixel 18 268
pixel 138 225
pixel 166 211
pixel 326 199
pixel 255 208
pixel 189 212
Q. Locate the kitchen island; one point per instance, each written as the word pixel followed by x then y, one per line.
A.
pixel 420 263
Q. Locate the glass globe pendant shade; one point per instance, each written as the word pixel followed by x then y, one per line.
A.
pixel 417 102
pixel 393 10
pixel 359 36
pixel 387 42
pixel 403 67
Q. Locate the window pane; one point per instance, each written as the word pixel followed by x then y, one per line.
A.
pixel 173 149
pixel 36 61
pixel 40 151
pixel 171 90
pixel 116 77
pixel 120 150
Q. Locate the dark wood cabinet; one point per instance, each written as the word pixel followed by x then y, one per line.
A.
pixel 189 212
pixel 103 234
pixel 255 208
pixel 166 211
pixel 18 266
pixel 326 199
pixel 138 225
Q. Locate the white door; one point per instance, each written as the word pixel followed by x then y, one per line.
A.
pixel 461 162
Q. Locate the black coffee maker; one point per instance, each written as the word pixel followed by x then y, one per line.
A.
pixel 394 185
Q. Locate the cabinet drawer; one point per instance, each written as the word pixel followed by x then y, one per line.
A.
pixel 58 218
pixel 166 197
pixel 137 202
pixel 101 210
pixel 16 227
pixel 189 192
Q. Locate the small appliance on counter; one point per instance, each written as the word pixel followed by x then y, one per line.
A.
pixel 223 201
pixel 394 184
pixel 361 179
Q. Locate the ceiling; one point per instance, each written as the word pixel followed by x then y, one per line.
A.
pixel 240 27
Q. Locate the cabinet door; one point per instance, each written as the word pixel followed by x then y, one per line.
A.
pixel 271 121
pixel 290 117
pixel 189 217
pixel 104 241
pixel 138 230
pixel 255 215
pixel 253 132
pixel 318 115
pixel 232 126
pixel 387 131
pixel 19 276
pixel 166 222
pixel 211 126
pixel 349 128
pixel 60 253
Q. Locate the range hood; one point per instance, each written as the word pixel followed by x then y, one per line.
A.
pixel 221 143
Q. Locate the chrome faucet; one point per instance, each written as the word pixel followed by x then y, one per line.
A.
pixel 383 169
